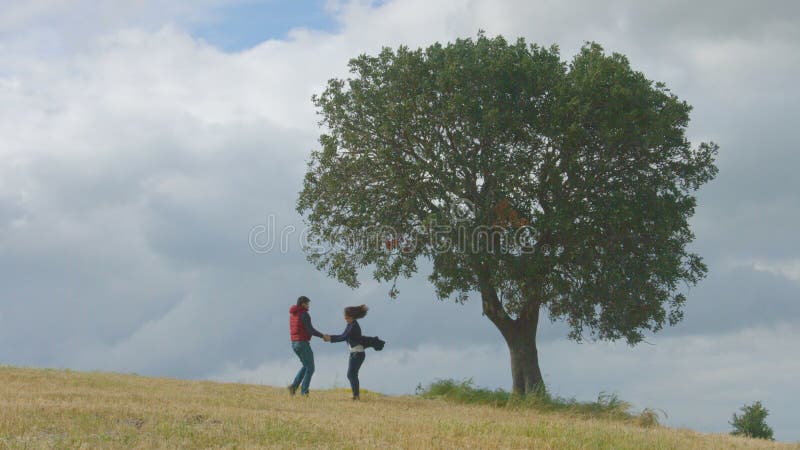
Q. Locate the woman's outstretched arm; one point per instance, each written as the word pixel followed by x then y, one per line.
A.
pixel 345 334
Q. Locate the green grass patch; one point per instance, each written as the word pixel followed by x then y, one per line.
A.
pixel 607 406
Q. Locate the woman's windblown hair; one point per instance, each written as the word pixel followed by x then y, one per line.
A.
pixel 356 312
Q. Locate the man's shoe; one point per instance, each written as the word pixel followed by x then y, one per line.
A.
pixel 356 398
pixel 292 389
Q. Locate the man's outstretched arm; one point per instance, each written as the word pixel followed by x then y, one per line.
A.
pixel 306 320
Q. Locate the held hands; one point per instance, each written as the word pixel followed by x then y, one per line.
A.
pixel 326 338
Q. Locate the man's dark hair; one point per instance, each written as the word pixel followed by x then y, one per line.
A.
pixel 356 312
pixel 302 300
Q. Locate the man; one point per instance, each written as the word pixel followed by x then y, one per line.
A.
pixel 301 331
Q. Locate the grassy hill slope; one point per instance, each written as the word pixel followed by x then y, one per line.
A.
pixel 66 409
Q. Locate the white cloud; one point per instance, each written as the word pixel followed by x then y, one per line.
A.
pixel 789 269
pixel 17 14
pixel 69 16
pixel 392 371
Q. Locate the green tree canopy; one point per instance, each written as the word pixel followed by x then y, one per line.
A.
pixel 536 183
pixel 752 422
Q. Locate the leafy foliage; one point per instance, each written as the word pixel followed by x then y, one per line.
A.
pixel 752 422
pixel 532 181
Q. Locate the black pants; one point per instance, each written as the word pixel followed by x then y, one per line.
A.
pixel 356 359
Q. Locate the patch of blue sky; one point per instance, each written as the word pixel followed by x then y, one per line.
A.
pixel 247 23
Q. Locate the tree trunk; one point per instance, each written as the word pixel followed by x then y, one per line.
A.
pixel 520 336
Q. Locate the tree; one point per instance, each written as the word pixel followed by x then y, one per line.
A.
pixel 538 184
pixel 752 422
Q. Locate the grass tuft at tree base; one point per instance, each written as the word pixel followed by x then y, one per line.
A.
pixel 607 406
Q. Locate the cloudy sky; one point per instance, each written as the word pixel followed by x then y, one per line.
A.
pixel 141 143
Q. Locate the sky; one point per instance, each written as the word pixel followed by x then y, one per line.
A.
pixel 145 145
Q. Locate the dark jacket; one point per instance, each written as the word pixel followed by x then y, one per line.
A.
pixel 354 337
pixel 352 334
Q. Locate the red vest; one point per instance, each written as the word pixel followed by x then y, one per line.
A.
pixel 296 328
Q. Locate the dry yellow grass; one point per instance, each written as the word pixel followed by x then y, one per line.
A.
pixel 65 409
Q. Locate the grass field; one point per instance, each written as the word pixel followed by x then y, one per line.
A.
pixel 66 409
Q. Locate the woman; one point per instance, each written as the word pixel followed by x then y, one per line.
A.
pixel 301 331
pixel 352 334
